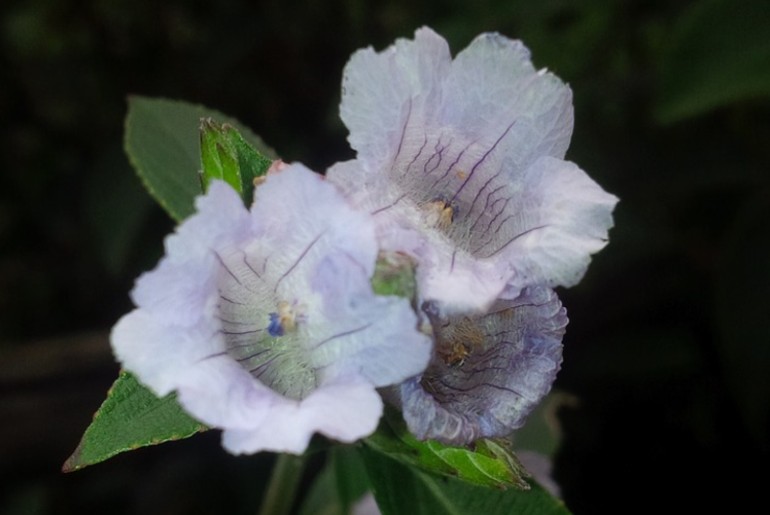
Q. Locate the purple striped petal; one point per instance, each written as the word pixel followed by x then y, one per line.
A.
pixel 468 154
pixel 488 371
pixel 264 321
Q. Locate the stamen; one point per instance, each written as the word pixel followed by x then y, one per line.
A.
pixel 464 338
pixel 285 319
pixel 275 328
pixel 440 214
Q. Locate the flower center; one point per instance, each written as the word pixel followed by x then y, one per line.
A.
pixel 269 344
pixel 458 341
pixel 438 214
pixel 286 318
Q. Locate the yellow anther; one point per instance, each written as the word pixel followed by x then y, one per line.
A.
pixel 439 214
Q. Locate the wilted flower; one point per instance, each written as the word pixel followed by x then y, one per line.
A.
pixel 461 162
pixel 488 371
pixel 264 321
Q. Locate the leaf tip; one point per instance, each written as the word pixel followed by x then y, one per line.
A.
pixel 73 463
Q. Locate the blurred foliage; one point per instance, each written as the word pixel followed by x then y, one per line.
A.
pixel 666 352
pixel 720 55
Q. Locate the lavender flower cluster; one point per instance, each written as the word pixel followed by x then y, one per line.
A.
pixel 264 320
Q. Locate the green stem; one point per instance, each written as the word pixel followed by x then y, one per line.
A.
pixel 280 494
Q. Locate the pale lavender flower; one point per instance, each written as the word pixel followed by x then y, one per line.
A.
pixel 264 321
pixel 366 505
pixel 488 371
pixel 461 161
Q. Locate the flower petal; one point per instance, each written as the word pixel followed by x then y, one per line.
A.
pixel 488 371
pixel 180 289
pixel 382 91
pixel 401 101
pixel 221 393
pixel 375 324
pixel 564 218
pixel 169 292
pixel 221 219
pixel 466 175
pixel 344 412
pixel 265 323
pixel 158 352
pixel 493 86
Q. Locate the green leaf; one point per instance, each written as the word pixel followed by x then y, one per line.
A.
pixel 285 479
pixel 226 155
pixel 323 499
pixel 130 417
pixel 491 463
pixel 719 54
pixel 341 483
pixel 400 489
pixel 162 141
pixel 350 475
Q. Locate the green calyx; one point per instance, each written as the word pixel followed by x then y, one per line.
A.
pixel 225 155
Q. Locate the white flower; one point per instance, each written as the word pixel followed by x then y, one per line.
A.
pixel 461 162
pixel 264 321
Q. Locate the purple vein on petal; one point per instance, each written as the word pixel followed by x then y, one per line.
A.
pixel 234 322
pixel 451 165
pixel 251 356
pixel 458 390
pixel 483 187
pixel 486 231
pixel 246 262
pixel 299 259
pixel 403 133
pixel 212 356
pixel 239 345
pixel 489 231
pixel 438 152
pixel 486 154
pixel 235 333
pixel 342 334
pixel 263 364
pixel 486 206
pixel 385 208
pixel 417 156
pixel 516 238
pixel 222 262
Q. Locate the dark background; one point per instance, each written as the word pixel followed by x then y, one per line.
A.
pixel 668 348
